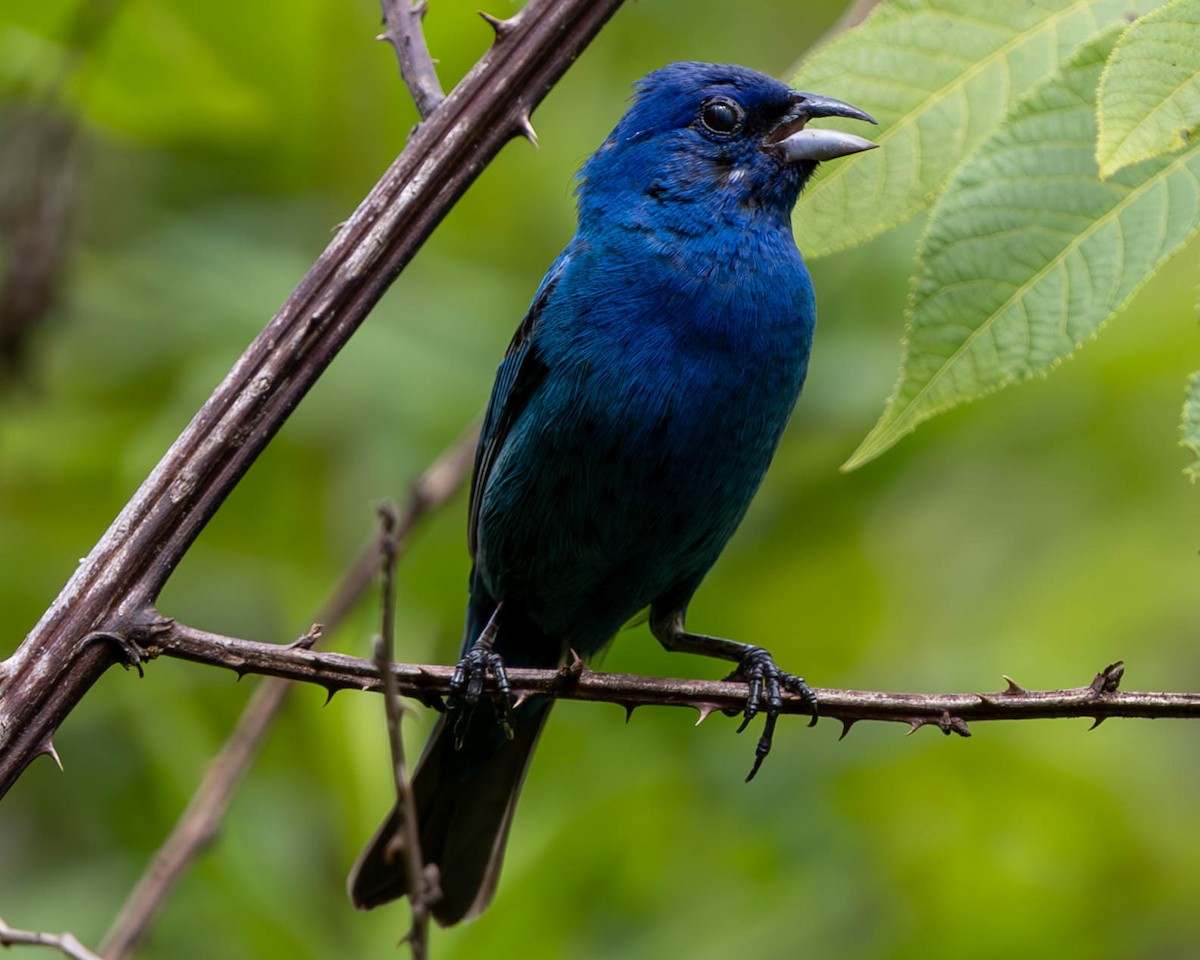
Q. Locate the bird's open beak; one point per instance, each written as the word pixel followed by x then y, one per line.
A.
pixel 794 141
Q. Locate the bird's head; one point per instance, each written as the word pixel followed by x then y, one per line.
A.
pixel 721 135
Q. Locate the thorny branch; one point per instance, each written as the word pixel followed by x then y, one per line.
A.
pixel 950 712
pixel 403 20
pixel 199 822
pixel 114 588
pixel 246 410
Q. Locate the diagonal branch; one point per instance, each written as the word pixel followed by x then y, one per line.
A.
pixel 117 583
pixel 950 712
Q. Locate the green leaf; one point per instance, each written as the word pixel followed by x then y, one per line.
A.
pixel 1190 426
pixel 1028 252
pixel 1150 91
pixel 939 75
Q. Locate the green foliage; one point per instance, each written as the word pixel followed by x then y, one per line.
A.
pixel 1190 425
pixel 1028 252
pixel 1029 248
pixel 1041 537
pixel 1150 91
pixel 939 75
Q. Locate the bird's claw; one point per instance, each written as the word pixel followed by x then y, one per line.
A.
pixel 766 684
pixel 466 689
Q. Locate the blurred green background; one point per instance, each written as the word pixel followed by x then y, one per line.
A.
pixel 1042 534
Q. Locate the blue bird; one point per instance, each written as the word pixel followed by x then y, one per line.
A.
pixel 631 422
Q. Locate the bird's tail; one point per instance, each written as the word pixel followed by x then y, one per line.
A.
pixel 466 789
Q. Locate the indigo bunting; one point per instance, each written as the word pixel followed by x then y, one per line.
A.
pixel 631 421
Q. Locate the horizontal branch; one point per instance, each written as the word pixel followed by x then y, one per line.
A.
pixel 951 712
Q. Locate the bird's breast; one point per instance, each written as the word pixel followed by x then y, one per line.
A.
pixel 665 392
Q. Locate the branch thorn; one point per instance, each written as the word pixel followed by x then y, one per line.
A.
pixel 957 725
pixel 502 28
pixel 48 750
pixel 572 670
pixel 1013 689
pixel 526 130
pixel 1108 679
pixel 947 723
pixel 309 639
pixel 847 723
pixel 705 710
pixel 130 655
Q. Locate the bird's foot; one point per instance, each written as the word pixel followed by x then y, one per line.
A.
pixel 466 688
pixel 767 683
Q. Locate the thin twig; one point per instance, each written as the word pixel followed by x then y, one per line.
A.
pixel 949 711
pixel 403 19
pixel 65 943
pixel 406 842
pixel 198 823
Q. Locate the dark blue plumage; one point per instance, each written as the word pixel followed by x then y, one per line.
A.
pixel 631 422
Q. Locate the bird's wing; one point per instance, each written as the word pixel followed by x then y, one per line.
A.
pixel 517 378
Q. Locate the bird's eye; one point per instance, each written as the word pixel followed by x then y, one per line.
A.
pixel 721 115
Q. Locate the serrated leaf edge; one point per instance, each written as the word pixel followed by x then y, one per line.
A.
pixel 890 429
pixel 1106 167
pixel 931 102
